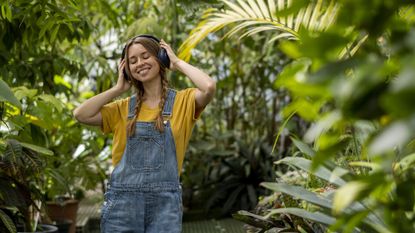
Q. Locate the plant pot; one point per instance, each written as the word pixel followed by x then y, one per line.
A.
pixel 44 228
pixel 64 210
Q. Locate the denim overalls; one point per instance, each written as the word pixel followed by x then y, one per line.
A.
pixel 144 194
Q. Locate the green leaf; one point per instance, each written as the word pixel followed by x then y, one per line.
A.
pixel 395 135
pixel 3 11
pixel 406 163
pixel 8 222
pixel 38 149
pixel 299 192
pixel 253 219
pixel 373 166
pixel 321 172
pixel 316 216
pixel 22 92
pixel 323 125
pixel 347 194
pixel 281 130
pixel 291 49
pixel 303 147
pixel 58 80
pixel 203 145
pixel 8 13
pixel 51 99
pixel 3 144
pixel 54 33
pixel 6 94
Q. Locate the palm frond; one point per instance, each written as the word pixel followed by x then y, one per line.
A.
pixel 254 16
pixel 352 47
pixel 8 222
pixel 12 155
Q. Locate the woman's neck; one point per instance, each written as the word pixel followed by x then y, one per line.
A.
pixel 152 89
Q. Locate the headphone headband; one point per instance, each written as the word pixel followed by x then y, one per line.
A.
pixel 147 36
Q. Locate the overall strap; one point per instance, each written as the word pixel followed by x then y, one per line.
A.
pixel 168 105
pixel 131 106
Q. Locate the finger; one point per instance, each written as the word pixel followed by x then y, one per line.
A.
pixel 167 47
pixel 162 42
pixel 122 62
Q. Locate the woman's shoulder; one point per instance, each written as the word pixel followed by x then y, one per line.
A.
pixel 184 92
pixel 118 103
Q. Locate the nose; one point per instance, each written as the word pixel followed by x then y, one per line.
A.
pixel 139 63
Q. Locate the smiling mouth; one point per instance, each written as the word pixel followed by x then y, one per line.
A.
pixel 143 71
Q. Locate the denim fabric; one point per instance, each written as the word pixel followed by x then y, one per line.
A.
pixel 144 194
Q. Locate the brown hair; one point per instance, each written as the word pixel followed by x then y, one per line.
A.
pixel 153 48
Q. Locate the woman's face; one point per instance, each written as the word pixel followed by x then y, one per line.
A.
pixel 143 66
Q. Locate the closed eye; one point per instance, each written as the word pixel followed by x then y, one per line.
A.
pixel 145 55
pixel 132 60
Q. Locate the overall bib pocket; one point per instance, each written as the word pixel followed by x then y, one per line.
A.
pixel 146 153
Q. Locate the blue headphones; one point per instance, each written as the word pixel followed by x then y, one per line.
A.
pixel 162 54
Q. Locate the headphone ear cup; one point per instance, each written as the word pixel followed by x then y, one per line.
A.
pixel 164 58
pixel 125 75
pixel 123 71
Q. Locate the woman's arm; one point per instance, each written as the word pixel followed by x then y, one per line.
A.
pixel 89 111
pixel 206 86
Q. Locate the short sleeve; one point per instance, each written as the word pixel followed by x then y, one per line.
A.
pixel 111 115
pixel 185 105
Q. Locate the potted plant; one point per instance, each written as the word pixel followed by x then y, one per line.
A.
pixel 21 161
pixel 73 170
pixel 20 196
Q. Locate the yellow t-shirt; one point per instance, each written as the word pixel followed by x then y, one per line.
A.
pixel 114 120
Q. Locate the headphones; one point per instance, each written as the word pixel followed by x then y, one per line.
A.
pixel 162 54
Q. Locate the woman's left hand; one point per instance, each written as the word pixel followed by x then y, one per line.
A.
pixel 172 56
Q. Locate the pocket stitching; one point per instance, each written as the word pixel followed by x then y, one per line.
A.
pixel 144 167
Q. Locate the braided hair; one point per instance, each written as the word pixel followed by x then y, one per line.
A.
pixel 152 47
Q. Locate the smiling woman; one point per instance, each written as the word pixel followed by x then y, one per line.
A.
pixel 151 131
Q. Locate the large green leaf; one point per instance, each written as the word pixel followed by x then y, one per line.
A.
pixel 38 149
pixel 299 192
pixel 314 216
pixel 321 172
pixel 6 94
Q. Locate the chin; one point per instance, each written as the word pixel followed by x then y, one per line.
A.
pixel 146 78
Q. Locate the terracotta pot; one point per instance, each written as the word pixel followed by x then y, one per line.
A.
pixel 64 210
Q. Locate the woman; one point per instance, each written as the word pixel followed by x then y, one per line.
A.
pixel 151 132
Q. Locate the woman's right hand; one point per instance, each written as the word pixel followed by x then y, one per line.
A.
pixel 122 84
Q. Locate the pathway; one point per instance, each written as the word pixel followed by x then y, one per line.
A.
pixel 89 213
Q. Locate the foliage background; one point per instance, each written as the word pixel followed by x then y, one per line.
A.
pixel 275 100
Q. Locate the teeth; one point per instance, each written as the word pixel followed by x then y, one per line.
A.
pixel 143 71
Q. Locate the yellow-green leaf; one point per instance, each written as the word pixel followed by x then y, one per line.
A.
pixel 346 195
pixel 6 94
